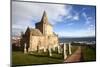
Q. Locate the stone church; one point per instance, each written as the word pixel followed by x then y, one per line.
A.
pixel 41 37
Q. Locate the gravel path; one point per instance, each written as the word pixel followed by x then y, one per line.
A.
pixel 76 56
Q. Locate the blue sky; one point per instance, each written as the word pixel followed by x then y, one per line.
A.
pixel 67 20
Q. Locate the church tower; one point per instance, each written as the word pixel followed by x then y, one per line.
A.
pixel 44 18
pixel 44 26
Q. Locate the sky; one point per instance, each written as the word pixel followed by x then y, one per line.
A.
pixel 67 20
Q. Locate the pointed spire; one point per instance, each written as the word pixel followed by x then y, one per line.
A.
pixel 28 28
pixel 44 18
pixel 44 13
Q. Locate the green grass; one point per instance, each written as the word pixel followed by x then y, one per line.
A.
pixel 20 58
pixel 89 54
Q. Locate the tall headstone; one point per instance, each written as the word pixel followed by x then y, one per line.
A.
pixel 54 48
pixel 59 51
pixel 45 50
pixel 69 46
pixel 65 53
pixel 25 50
pixel 50 52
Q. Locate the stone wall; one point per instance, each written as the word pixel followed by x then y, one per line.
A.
pixel 42 42
pixel 48 29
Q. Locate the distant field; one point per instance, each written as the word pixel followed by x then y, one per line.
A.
pixel 19 58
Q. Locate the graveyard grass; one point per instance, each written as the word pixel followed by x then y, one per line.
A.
pixel 19 58
pixel 89 53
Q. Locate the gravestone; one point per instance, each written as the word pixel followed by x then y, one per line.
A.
pixel 45 50
pixel 59 49
pixel 25 50
pixel 65 53
pixel 50 52
pixel 69 46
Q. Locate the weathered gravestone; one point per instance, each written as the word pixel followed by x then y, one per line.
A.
pixel 25 50
pixel 69 46
pixel 65 53
pixel 50 51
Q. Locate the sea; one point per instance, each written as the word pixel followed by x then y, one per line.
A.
pixel 78 39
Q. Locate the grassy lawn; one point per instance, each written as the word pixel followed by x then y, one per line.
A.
pixel 19 58
pixel 89 54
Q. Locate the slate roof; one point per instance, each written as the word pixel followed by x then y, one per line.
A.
pixel 35 32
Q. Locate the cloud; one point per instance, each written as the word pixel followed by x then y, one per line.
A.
pixel 91 27
pixel 69 24
pixel 72 16
pixel 90 24
pixel 88 19
pixel 76 17
pixel 77 33
pixel 35 10
pixel 69 16
pixel 26 14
